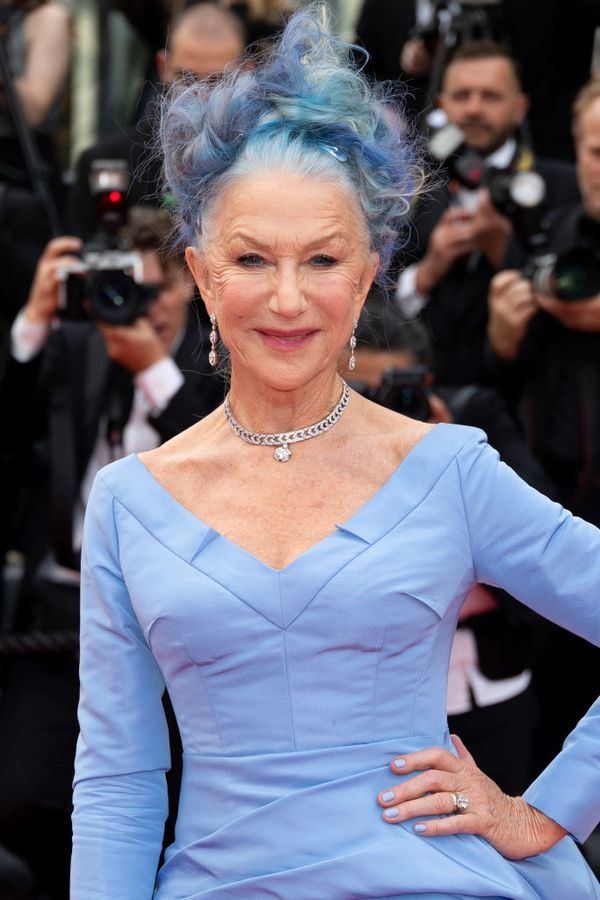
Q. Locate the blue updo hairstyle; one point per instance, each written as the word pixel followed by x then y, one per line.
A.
pixel 303 107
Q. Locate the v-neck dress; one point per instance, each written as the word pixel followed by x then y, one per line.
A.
pixel 293 689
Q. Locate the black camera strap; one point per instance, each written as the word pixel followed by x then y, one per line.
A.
pixel 118 407
pixel 69 351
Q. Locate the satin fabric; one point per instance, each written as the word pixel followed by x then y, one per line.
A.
pixel 294 688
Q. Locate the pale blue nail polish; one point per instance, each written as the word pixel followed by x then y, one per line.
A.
pixel 399 763
pixel 387 796
pixel 420 828
pixel 392 813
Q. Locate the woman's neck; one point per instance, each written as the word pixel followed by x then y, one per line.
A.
pixel 261 408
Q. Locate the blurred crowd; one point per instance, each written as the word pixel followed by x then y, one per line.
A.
pixel 490 318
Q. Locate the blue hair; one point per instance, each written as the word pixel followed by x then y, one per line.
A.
pixel 306 107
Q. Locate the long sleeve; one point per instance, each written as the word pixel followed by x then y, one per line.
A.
pixel 550 560
pixel 120 799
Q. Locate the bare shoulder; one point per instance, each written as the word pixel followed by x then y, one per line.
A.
pixel 196 445
pixel 402 432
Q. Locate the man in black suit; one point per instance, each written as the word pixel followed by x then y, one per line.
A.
pixel 132 386
pixel 203 40
pixel 551 39
pixel 460 238
pixel 549 347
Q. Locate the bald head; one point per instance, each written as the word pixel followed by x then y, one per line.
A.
pixel 203 40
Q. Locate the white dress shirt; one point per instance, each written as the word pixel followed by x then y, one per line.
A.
pixel 154 387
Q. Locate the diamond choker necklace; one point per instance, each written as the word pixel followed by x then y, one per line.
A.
pixel 280 441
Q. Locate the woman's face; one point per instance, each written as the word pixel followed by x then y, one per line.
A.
pixel 285 268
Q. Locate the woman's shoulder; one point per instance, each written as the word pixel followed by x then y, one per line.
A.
pixel 406 433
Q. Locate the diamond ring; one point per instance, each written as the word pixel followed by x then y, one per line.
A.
pixel 461 802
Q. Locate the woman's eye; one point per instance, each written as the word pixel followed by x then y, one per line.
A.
pixel 322 261
pixel 250 260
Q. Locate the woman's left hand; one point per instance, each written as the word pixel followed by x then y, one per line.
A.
pixel 513 827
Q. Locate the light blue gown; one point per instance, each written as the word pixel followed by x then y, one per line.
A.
pixel 293 689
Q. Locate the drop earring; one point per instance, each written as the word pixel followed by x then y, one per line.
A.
pixel 213 337
pixel 352 360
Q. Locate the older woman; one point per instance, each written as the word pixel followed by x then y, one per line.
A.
pixel 292 566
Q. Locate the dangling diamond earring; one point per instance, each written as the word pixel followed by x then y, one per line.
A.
pixel 352 360
pixel 213 337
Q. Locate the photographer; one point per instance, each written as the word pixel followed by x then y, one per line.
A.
pixel 136 385
pixel 548 348
pixel 36 39
pixel 552 41
pixel 202 41
pixel 460 238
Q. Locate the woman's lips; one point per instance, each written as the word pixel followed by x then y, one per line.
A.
pixel 287 341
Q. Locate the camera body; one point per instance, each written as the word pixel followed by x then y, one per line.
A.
pixel 106 284
pixel 517 193
pixel 569 270
pixel 402 390
pixel 572 276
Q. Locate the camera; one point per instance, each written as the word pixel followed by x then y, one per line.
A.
pixel 572 274
pixel 106 284
pixel 464 20
pixel 517 193
pixel 402 390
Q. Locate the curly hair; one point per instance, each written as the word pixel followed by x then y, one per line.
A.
pixel 304 107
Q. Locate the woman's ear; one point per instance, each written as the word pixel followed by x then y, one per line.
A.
pixel 199 269
pixel 366 280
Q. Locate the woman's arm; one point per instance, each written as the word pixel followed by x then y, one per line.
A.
pixel 120 800
pixel 550 560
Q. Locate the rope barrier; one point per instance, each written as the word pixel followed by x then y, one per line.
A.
pixel 39 642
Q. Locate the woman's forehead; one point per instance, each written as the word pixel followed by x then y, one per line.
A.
pixel 282 205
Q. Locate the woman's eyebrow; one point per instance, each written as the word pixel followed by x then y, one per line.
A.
pixel 250 238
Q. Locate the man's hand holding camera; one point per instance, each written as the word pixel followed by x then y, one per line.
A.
pixel 582 315
pixel 454 236
pixel 513 302
pixel 135 346
pixel 42 304
pixel 459 233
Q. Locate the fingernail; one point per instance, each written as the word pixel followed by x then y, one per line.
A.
pixel 392 812
pixel 399 763
pixel 387 796
pixel 420 828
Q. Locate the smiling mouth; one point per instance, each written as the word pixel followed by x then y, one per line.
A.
pixel 287 340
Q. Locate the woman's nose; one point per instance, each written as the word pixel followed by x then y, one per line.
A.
pixel 288 298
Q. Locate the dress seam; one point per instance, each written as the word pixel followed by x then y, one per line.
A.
pixel 188 562
pixel 286 669
pixel 372 544
pixel 289 693
pixel 466 517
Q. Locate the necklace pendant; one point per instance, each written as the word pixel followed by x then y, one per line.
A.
pixel 282 454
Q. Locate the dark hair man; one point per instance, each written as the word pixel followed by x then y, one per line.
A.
pixel 550 348
pixel 203 40
pixel 157 368
pixel 460 237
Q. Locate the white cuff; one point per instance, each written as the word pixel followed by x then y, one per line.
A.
pixel 159 383
pixel 27 338
pixel 410 301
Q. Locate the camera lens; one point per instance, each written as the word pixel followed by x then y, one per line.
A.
pixel 572 276
pixel 114 297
